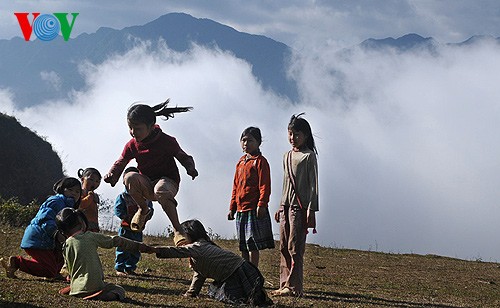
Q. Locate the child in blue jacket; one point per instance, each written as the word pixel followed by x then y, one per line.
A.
pixel 125 208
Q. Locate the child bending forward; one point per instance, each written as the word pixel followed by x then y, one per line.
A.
pixel 236 281
pixel 82 260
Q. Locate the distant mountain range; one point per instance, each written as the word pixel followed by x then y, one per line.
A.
pixel 36 71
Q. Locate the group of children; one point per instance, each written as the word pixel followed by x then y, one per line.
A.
pixel 65 231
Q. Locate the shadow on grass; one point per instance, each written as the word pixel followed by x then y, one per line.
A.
pixel 368 299
pixel 150 290
pixel 10 304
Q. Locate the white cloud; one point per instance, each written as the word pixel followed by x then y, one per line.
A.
pixel 407 143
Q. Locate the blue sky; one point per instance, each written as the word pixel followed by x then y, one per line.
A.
pixel 295 22
pixel 408 143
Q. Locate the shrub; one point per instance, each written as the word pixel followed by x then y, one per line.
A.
pixel 14 214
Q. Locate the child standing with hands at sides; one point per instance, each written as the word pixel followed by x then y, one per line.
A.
pixel 299 203
pixel 125 208
pixel 236 281
pixel 82 259
pixel 250 198
pixel 89 205
pixel 41 240
pixel 155 153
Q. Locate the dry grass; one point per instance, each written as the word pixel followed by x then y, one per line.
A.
pixel 333 278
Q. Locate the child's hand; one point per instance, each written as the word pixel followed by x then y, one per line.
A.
pixel 277 216
pixel 193 173
pixel 108 178
pixel 261 212
pixel 230 215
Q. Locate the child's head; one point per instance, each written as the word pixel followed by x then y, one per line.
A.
pixel 90 177
pixel 142 118
pixel 69 221
pixel 250 140
pixel 300 133
pixel 70 188
pixel 195 230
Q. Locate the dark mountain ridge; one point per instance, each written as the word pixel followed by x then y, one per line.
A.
pixel 39 70
pixel 29 165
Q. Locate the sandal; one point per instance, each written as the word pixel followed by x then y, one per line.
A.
pixel 179 240
pixel 138 220
pixel 286 291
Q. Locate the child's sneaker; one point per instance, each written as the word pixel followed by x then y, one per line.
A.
pixel 10 266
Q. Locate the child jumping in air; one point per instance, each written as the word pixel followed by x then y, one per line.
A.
pixel 89 205
pixel 236 281
pixel 155 153
pixel 125 208
pixel 41 240
pixel 82 259
pixel 299 203
pixel 250 198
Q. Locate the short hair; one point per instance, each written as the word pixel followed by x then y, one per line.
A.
pixel 254 132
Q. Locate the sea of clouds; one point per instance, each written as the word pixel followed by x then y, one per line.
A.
pixel 408 144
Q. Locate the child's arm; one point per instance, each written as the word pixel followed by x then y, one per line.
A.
pixel 116 170
pixel 188 162
pixel 120 207
pixel 196 285
pixel 264 173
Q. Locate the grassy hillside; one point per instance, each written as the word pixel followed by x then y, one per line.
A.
pixel 333 278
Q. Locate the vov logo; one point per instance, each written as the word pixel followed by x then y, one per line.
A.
pixel 46 26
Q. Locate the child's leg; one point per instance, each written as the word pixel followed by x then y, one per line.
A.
pixel 296 248
pixel 121 255
pixel 43 262
pixel 254 257
pixel 140 189
pixel 285 259
pixel 165 191
pixel 133 256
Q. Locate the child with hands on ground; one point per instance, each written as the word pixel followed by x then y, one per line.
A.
pixel 236 281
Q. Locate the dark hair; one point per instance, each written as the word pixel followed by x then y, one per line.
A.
pixel 140 113
pixel 67 182
pixel 88 172
pixel 130 169
pixel 299 124
pixel 68 219
pixel 195 230
pixel 254 132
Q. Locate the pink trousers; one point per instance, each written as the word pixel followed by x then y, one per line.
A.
pixel 292 248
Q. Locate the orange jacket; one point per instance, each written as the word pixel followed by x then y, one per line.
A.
pixel 252 183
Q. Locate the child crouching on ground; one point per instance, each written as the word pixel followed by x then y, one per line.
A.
pixel 82 260
pixel 125 209
pixel 236 281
